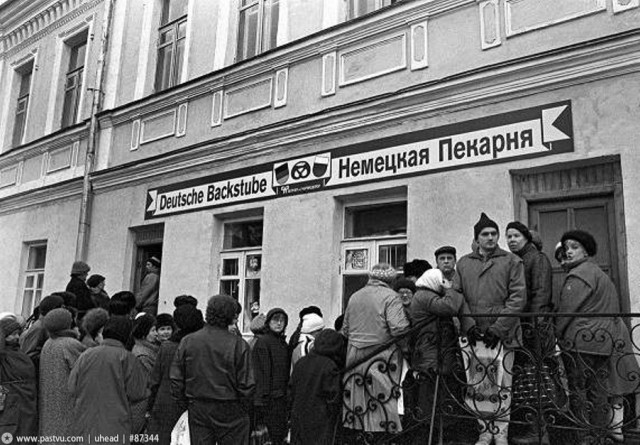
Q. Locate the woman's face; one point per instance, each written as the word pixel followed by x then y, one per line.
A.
pixel 277 323
pixel 515 240
pixel 152 336
pixel 164 333
pixel 574 251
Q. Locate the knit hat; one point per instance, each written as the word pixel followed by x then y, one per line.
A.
pixel 445 249
pixel 404 283
pixel 383 272
pixel 164 320
pixel 57 320
pixel 274 311
pixel 432 279
pixel 585 238
pixel 79 267
pixel 483 223
pixel 257 324
pixel 185 299
pixel 49 303
pixel 142 325
pixel 311 323
pixel 415 268
pixel 155 261
pixel 117 328
pixel 95 319
pixel 9 325
pixel 95 280
pixel 221 310
pixel 310 310
pixel 520 228
pixel 188 318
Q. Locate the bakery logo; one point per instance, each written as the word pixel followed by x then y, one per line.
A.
pixel 302 175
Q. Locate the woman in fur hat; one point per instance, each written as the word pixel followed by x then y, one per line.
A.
pixel 271 370
pixel 19 415
pixel 58 356
pixel 374 316
pixel 597 351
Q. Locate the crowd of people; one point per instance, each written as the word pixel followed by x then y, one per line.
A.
pixel 93 365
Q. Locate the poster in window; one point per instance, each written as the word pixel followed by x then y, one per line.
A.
pixel 357 259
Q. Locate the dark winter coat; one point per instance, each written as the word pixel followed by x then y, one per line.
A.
pixel 164 411
pixel 58 357
pixel 316 391
pixel 537 275
pixel 271 367
pixel 32 341
pixel 146 353
pixel 101 299
pixel 495 285
pixel 435 345
pixel 105 381
pixel 18 378
pixel 79 288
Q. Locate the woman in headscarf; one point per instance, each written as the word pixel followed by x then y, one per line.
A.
pixel 597 351
pixel 374 316
pixel 19 394
pixel 271 370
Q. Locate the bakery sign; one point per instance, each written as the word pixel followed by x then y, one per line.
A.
pixel 522 134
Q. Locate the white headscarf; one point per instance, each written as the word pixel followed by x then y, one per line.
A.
pixel 431 279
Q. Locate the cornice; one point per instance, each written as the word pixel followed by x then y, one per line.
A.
pixel 449 95
pixel 58 14
pixel 63 190
pixel 340 36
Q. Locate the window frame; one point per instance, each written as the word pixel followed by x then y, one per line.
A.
pixel 175 65
pixel 76 72
pixel 353 7
pixel 261 25
pixel 37 275
pixel 21 116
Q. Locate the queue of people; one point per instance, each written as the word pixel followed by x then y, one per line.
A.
pixel 100 365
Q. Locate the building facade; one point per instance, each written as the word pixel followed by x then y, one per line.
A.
pixel 277 149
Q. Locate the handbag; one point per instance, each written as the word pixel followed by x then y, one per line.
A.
pixel 485 371
pixel 536 387
pixel 259 436
pixel 180 433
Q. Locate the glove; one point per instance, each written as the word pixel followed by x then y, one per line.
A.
pixel 491 338
pixel 474 335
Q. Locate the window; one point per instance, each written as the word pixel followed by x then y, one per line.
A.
pixel 34 278
pixel 171 43
pixel 373 233
pixel 22 106
pixel 357 8
pixel 241 266
pixel 258 27
pixel 73 82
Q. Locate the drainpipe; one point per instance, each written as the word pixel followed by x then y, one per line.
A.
pixel 84 224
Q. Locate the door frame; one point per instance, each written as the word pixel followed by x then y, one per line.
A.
pixel 587 178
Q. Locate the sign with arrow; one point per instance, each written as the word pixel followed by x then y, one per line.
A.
pixel 521 134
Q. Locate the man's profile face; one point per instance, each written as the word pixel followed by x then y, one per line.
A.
pixel 488 239
pixel 446 262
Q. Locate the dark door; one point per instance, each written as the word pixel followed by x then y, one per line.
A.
pixel 143 253
pixel 595 215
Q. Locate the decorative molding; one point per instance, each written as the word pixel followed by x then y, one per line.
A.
pixel 158 126
pixel 247 98
pixel 75 153
pixel 181 127
pixel 59 159
pixel 32 169
pixel 624 5
pixel 135 135
pixel 489 24
pixel 329 74
pixel 419 46
pixel 281 81
pixel 542 13
pixel 370 60
pixel 216 108
pixel 9 176
pixel 44 23
pixel 77 29
pixel 30 56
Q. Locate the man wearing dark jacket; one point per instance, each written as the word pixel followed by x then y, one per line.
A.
pixel 78 287
pixel 211 372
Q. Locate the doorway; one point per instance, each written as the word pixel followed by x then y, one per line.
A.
pixel 147 244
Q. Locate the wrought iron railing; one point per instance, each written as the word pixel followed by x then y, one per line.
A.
pixel 559 378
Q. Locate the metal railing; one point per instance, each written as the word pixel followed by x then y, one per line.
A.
pixel 563 378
